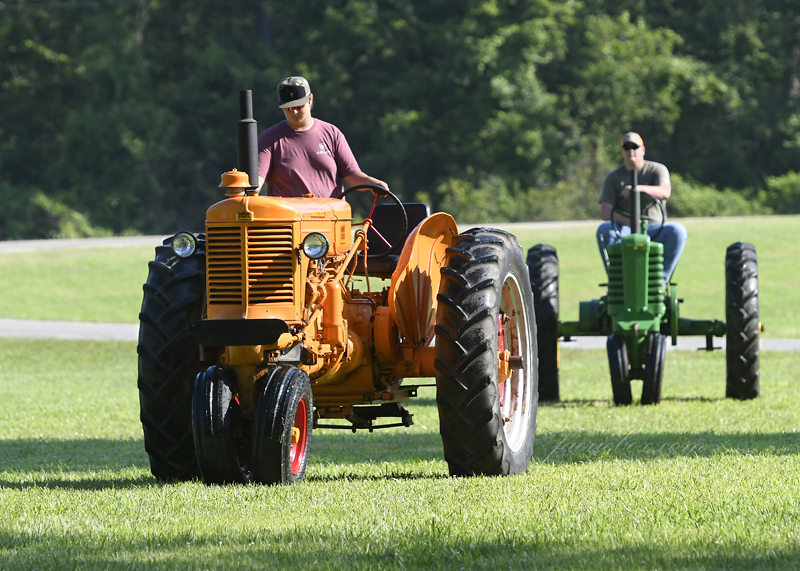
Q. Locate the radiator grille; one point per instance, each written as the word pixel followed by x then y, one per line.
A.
pixel 269 259
pixel 252 263
pixel 616 294
pixel 616 281
pixel 225 265
pixel 655 285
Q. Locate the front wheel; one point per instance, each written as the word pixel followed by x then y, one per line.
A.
pixel 741 321
pixel 485 319
pixel 620 370
pixel 654 368
pixel 282 428
pixel 221 435
pixel 542 265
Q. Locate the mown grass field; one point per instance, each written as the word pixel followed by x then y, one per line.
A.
pixel 697 482
pixel 106 284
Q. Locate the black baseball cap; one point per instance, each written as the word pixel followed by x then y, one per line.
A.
pixel 293 92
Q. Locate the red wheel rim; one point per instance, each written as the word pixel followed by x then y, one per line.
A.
pixel 299 436
pixel 501 346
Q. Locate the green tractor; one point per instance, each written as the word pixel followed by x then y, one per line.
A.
pixel 638 312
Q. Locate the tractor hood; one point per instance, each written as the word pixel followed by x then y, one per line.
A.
pixel 269 208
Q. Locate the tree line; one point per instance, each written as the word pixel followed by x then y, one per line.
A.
pixel 118 116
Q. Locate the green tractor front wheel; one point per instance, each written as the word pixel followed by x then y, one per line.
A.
pixel 652 376
pixel 654 368
pixel 620 370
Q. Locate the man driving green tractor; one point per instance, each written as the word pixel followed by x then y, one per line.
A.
pixel 641 308
pixel 653 178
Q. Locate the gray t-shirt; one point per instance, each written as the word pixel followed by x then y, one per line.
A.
pixel 652 173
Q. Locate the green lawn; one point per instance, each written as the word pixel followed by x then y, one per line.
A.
pixel 697 482
pixel 106 284
pixel 93 284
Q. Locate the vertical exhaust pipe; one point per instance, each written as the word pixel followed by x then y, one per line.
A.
pixel 636 206
pixel 248 138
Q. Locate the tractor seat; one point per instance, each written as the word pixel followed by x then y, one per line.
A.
pixel 388 220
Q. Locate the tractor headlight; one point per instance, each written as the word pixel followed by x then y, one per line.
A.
pixel 184 244
pixel 315 245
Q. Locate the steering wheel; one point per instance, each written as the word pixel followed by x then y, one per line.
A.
pixel 654 199
pixel 380 192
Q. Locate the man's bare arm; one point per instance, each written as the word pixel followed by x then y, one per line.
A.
pixel 661 191
pixel 359 177
pixel 605 214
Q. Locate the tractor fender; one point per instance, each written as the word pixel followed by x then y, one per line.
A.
pixel 415 281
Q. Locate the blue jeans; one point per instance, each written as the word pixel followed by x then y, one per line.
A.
pixel 673 236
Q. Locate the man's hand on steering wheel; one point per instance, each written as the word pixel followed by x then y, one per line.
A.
pixel 380 192
pixel 637 230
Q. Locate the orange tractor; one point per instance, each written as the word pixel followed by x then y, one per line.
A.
pixel 254 334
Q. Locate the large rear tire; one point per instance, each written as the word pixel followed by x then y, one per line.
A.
pixel 741 320
pixel 221 435
pixel 620 370
pixel 282 428
pixel 485 304
pixel 174 297
pixel 654 368
pixel 542 265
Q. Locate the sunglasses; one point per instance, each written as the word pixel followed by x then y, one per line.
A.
pixel 630 146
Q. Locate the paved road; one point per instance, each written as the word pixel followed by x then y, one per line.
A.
pixel 130 332
pixel 30 328
pixel 82 243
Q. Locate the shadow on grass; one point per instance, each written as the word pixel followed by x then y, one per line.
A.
pixel 579 446
pixel 85 463
pixel 76 464
pixel 89 484
pixel 692 399
pixel 420 545
pixel 394 454
pixel 578 403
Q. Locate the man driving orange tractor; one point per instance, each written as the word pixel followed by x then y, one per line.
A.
pixel 303 155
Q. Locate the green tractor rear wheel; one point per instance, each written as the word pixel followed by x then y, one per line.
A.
pixel 543 272
pixel 741 319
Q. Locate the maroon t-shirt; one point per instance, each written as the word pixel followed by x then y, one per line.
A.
pixel 294 163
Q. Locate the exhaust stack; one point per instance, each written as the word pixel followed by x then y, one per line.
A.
pixel 248 138
pixel 636 205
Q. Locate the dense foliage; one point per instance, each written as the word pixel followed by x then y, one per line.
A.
pixel 119 115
